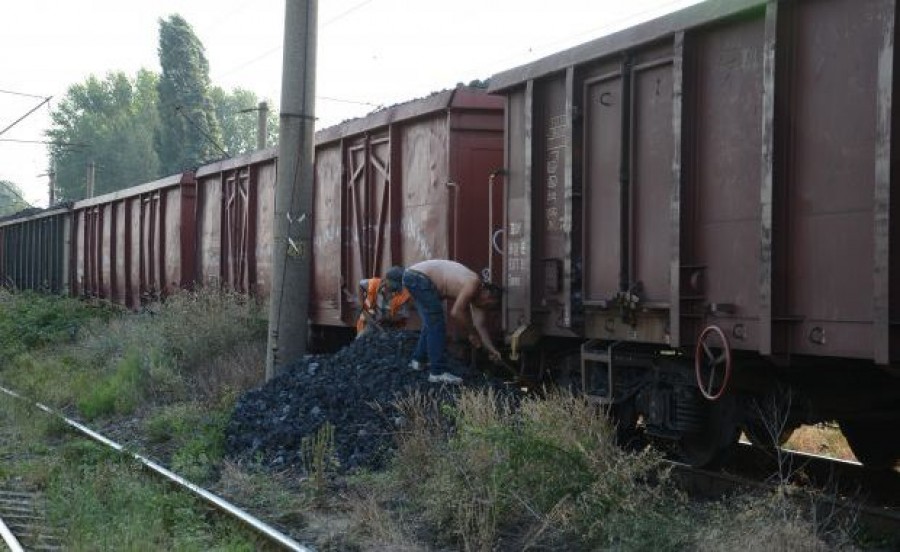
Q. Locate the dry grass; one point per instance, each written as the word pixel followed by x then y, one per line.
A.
pixel 769 524
pixel 545 473
pixel 242 367
pixel 821 439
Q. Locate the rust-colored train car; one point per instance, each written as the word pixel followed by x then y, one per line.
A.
pixel 207 227
pixel 34 251
pixel 406 183
pixel 707 201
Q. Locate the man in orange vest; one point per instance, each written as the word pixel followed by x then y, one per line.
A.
pixel 380 306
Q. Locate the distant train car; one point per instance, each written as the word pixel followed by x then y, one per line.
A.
pixel 34 251
pixel 406 183
pixel 706 204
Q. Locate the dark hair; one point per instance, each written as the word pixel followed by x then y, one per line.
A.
pixel 394 275
pixel 494 292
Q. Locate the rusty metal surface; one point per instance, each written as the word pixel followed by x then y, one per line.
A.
pixel 326 263
pixel 721 261
pixel 827 238
pixel 31 252
pixel 691 17
pixel 518 246
pixel 399 186
pixel 736 171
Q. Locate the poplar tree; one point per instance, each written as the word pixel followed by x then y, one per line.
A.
pixel 111 123
pixel 11 198
pixel 189 134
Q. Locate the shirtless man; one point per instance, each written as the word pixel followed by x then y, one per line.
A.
pixel 429 283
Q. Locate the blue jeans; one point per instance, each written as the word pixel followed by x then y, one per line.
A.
pixel 432 338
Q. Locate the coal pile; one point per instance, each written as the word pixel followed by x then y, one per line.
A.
pixel 269 423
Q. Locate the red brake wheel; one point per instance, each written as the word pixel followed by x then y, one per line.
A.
pixel 712 356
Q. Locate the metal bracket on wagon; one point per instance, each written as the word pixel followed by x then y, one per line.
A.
pixel 713 352
pixel 524 336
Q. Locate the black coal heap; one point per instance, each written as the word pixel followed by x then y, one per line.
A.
pixel 269 423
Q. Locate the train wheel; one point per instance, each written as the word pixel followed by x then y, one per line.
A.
pixel 712 445
pixel 872 442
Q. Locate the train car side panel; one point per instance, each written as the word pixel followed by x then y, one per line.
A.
pixel 266 175
pixel 826 238
pixel 721 214
pixel 209 222
pixel 517 306
pixel 326 300
pixel 427 226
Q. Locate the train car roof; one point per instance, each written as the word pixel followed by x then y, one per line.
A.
pixel 655 29
pixel 461 97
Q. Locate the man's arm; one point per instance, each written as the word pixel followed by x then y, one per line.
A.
pixel 460 311
pixel 479 320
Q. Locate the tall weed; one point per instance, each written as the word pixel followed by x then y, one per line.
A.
pixel 544 472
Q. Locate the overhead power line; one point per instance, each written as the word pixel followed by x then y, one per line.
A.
pixel 340 100
pixel 279 47
pixel 21 94
pixel 209 139
pixel 47 142
pixel 19 120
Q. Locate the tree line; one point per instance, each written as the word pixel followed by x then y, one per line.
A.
pixel 137 129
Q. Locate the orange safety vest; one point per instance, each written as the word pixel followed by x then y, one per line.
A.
pixel 370 303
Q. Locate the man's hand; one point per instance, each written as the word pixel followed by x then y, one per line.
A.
pixel 495 356
pixel 474 340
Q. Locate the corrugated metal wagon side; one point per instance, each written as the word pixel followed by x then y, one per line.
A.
pixel 728 164
pixel 404 184
pixel 134 245
pixel 33 252
pixel 234 223
pixel 706 203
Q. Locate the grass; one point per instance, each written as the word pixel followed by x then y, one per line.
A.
pixel 482 472
pixel 824 439
pixel 98 499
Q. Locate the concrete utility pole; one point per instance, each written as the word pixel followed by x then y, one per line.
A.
pixel 262 122
pixel 91 174
pixel 292 251
pixel 52 195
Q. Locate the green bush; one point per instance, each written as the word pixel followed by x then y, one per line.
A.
pixel 118 393
pixel 31 320
pixel 547 471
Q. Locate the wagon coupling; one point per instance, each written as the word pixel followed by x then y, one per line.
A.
pixel 712 354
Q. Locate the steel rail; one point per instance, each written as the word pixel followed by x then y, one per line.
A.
pixel 11 541
pixel 260 526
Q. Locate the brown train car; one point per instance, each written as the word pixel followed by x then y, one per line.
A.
pixel 34 252
pixel 705 203
pixel 201 227
pixel 405 184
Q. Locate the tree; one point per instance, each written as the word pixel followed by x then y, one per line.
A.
pixel 238 118
pixel 110 122
pixel 189 133
pixel 11 200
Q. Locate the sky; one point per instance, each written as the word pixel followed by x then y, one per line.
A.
pixel 370 53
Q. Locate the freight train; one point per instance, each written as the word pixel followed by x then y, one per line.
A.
pixel 705 206
pixel 692 219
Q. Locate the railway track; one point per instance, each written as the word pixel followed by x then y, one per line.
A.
pixel 836 486
pixel 23 527
pixel 23 522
